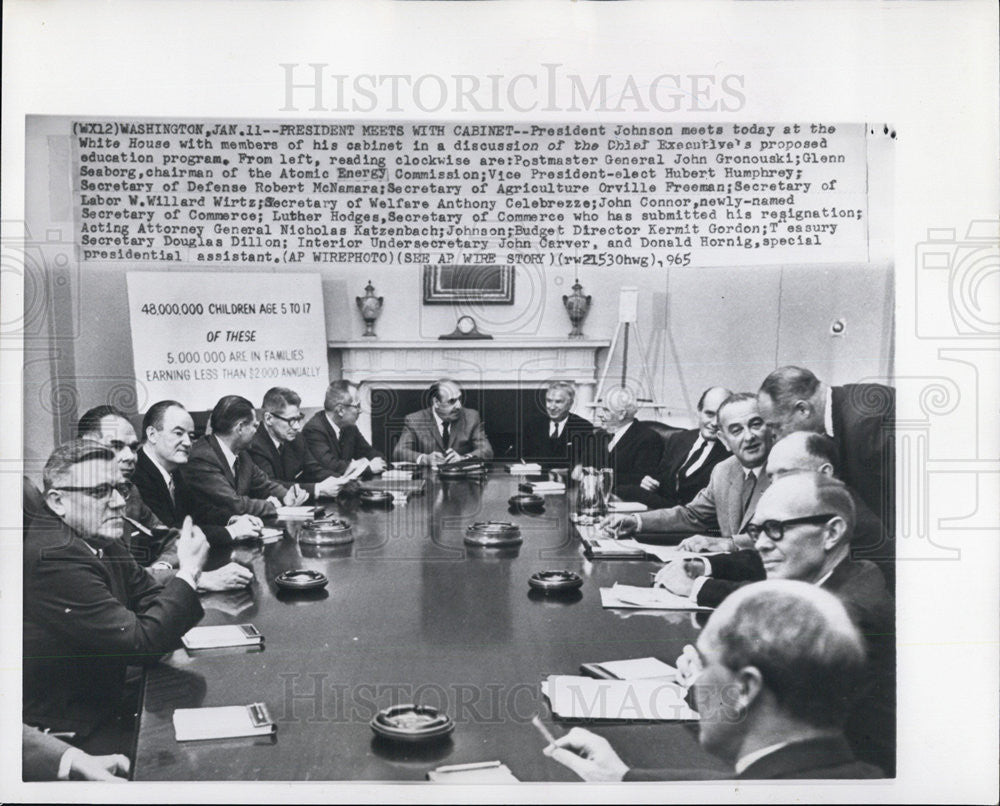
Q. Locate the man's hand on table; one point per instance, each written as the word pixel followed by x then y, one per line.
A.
pixel 649 483
pixel 230 577
pixel 677 576
pixel 295 496
pixel 706 544
pixel 244 527
pixel 618 526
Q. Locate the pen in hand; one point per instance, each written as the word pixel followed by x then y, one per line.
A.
pixel 546 733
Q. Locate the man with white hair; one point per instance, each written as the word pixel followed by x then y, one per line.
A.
pixel 632 449
pixel 778 664
pixel 556 437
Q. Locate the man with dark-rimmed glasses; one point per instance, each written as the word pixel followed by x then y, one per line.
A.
pixel 89 609
pixel 802 530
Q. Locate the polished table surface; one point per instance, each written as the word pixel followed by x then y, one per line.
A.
pixel 412 614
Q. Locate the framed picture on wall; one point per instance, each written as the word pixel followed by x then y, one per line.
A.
pixel 489 285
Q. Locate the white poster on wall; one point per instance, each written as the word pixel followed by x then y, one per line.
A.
pixel 217 334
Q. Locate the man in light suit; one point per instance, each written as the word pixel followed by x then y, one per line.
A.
pixel 860 419
pixel 756 714
pixel 221 474
pixel 688 457
pixel 333 443
pixel 554 438
pixel 443 433
pixel 727 502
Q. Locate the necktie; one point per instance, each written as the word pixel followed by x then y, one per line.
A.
pixel 696 459
pixel 749 485
pixel 172 490
pixel 445 433
pixel 236 470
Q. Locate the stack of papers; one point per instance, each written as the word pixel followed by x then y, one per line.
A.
pixel 632 596
pixel 397 475
pixel 636 669
pixel 483 772
pixel 608 547
pixel 222 636
pixel 574 697
pixel 626 506
pixel 226 722
pixel 525 469
pixel 546 487
pixel 298 513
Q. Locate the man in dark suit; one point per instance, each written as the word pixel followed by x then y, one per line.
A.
pixel 727 502
pixel 46 758
pixel 555 437
pixel 443 433
pixel 279 449
pixel 151 541
pixel 756 714
pixel 630 448
pixel 89 609
pixel 333 444
pixel 802 530
pixel 220 472
pixel 688 458
pixel 860 419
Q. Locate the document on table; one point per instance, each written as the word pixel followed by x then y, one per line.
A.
pixel 483 772
pixel 633 596
pixel 575 697
pixel 546 487
pixel 626 506
pixel 221 636
pixel 634 669
pixel 225 722
pixel 662 553
pixel 525 469
pixel 297 513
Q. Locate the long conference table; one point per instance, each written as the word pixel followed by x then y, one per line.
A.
pixel 412 614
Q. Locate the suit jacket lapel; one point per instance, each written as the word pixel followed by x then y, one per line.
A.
pixel 214 442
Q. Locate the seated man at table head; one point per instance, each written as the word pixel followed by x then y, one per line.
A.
pixel 860 419
pixel 730 497
pixel 333 444
pixel 89 609
pixel 553 438
pixel 688 457
pixel 220 472
pixel 780 667
pixel 168 432
pixel 444 432
pixel 630 447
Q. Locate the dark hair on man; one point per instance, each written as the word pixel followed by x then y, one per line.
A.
pixel 229 412
pixel 801 639
pixel 736 397
pixel 823 448
pixel 701 400
pixel 69 454
pixel 155 415
pixel 336 393
pixel 90 422
pixel 787 384
pixel 435 390
pixel 278 398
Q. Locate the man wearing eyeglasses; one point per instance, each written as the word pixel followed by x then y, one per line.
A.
pixel 802 530
pixel 149 539
pixel 333 444
pixel 445 432
pixel 223 478
pixel 279 449
pixel 89 609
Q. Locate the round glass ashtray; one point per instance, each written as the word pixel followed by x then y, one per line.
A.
pixel 493 533
pixel 412 723
pixel 328 532
pixel 301 579
pixel 555 581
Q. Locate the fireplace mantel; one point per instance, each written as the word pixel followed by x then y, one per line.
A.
pixel 484 364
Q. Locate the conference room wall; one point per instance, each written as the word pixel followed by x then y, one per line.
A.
pixel 700 326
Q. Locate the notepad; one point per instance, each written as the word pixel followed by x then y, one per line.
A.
pixel 397 475
pixel 545 487
pixel 222 635
pixel 635 669
pixel 631 596
pixel 608 548
pixel 626 506
pixel 575 697
pixel 525 469
pixel 481 772
pixel 299 513
pixel 224 722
